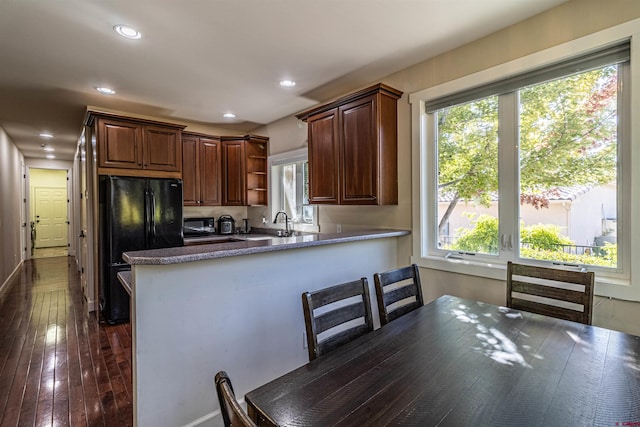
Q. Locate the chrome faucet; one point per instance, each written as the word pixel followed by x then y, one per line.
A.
pixel 287 233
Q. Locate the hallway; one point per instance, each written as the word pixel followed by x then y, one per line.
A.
pixel 58 366
pixel 56 251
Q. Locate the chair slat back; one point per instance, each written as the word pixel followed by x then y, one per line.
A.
pixel 553 292
pixel 395 286
pixel 232 412
pixel 349 318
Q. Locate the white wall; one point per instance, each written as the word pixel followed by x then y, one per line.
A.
pixel 587 212
pixel 241 314
pixel 11 164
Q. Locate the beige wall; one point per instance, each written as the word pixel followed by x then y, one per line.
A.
pixel 569 21
pixel 11 164
pixel 50 178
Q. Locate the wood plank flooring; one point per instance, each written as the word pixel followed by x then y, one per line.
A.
pixel 58 365
pixel 50 252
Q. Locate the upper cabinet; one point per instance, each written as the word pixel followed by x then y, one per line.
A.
pixel 215 170
pixel 201 170
pixel 234 189
pixel 353 148
pixel 256 163
pixel 244 168
pixel 137 147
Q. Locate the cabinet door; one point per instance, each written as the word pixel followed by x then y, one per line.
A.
pixel 359 152
pixel 190 171
pixel 210 172
pixel 120 144
pixel 162 149
pixel 323 157
pixel 233 169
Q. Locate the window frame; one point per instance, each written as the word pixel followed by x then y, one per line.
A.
pixel 618 284
pixel 293 156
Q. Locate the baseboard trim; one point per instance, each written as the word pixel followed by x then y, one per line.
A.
pixel 212 415
pixel 197 422
pixel 10 278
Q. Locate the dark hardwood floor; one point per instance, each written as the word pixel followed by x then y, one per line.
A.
pixel 58 365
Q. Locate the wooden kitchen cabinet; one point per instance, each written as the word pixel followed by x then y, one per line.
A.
pixel 233 170
pixel 201 170
pixel 136 147
pixel 324 156
pixel 244 168
pixel 256 170
pixel 353 148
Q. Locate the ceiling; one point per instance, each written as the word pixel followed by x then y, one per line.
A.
pixel 198 59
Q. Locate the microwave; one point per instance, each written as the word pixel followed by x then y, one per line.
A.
pixel 198 227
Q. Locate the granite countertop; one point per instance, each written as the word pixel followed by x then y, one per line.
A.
pixel 247 244
pixel 124 277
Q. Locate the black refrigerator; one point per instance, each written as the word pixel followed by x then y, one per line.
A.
pixel 135 214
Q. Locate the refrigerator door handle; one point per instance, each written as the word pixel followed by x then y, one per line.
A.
pixel 152 221
pixel 147 219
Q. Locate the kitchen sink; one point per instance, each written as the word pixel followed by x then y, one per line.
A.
pixel 226 240
pixel 258 237
pixel 212 241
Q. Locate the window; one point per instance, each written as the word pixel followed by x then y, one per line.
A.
pixel 290 188
pixel 566 169
pixel 532 167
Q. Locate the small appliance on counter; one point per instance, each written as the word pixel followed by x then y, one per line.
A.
pixel 198 227
pixel 245 228
pixel 226 224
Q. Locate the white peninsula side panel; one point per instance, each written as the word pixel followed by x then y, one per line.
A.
pixel 241 314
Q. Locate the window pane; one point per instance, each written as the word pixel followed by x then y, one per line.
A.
pixel 289 189
pixel 568 164
pixel 467 143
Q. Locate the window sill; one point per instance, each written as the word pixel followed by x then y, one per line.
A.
pixel 605 286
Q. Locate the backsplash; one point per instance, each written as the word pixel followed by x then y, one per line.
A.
pixel 237 212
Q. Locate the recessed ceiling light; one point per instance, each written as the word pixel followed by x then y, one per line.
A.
pixel 50 156
pixel 106 90
pixel 48 148
pixel 229 116
pixel 46 135
pixel 127 32
pixel 287 83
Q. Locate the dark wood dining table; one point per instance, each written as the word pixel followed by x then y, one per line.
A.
pixel 459 362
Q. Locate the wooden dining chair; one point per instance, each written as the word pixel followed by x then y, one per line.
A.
pixel 398 292
pixel 335 316
pixel 553 292
pixel 232 412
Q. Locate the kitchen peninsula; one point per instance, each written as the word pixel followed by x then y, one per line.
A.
pixel 232 306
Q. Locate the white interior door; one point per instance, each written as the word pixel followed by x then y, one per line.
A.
pixel 50 217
